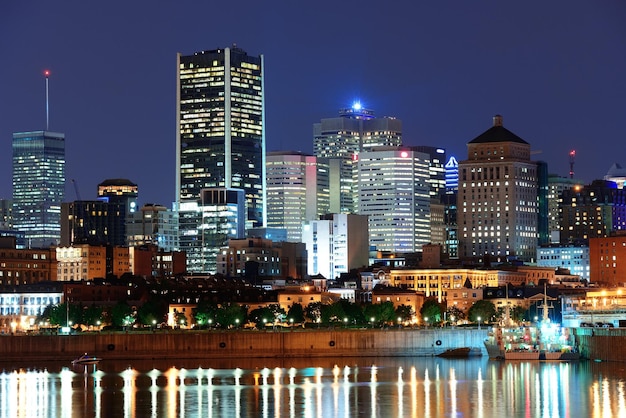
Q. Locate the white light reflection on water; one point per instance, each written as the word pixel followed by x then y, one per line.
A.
pixel 388 388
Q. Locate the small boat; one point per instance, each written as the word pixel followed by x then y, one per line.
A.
pixel 456 352
pixel 86 360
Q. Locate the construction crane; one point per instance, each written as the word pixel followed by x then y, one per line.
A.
pixel 572 157
pixel 75 184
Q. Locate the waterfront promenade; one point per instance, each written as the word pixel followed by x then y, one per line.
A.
pixel 243 343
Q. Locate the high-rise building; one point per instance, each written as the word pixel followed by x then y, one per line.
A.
pixel 393 192
pixel 592 211
pixel 220 126
pixel 153 225
pixel 497 202
pixel 6 213
pixel 297 191
pixel 341 139
pixel 336 244
pixel 94 222
pixel 119 191
pixel 556 186
pixel 616 174
pixel 206 225
pixel 38 186
pixel 452 175
pixel 436 169
pixel 220 139
pixel 607 260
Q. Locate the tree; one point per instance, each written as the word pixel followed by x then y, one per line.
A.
pixel 404 312
pixel 353 312
pixel 121 314
pixel 231 315
pixel 313 311
pixel 92 315
pixel 260 316
pixel 387 312
pixel 204 313
pixel 482 309
pixel 152 310
pixel 296 314
pixel 454 314
pixel 432 310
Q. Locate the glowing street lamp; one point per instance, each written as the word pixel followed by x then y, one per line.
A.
pixel 478 322
pixel 426 321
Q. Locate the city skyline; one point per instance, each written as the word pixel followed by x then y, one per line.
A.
pixel 444 70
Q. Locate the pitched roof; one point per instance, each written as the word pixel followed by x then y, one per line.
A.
pixel 497 133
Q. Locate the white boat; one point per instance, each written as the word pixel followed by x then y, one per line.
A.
pixel 86 360
pixel 546 342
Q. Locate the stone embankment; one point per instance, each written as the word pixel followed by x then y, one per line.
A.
pixel 251 344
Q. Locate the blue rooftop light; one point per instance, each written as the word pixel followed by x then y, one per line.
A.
pixel 356 106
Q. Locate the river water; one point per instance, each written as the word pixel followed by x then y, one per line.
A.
pixel 324 388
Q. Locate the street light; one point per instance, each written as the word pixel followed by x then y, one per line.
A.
pixel 478 322
pixel 237 322
pixel 372 320
pixel 345 322
pixel 399 322
pixel 210 322
pixel 426 320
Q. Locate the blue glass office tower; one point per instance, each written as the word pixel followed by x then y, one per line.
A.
pixel 38 186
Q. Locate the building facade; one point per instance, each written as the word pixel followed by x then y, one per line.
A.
pixel 607 260
pixel 556 186
pixel 592 211
pixel 574 258
pixel 336 244
pixel 341 139
pixel 38 186
pixel 393 192
pixel 220 126
pixel 94 222
pixel 206 225
pixel 153 225
pixel 497 201
pixel 297 191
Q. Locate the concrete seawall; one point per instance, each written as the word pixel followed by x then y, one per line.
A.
pixel 606 344
pixel 250 344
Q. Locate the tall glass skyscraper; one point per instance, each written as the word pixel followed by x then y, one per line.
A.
pixel 220 135
pixel 38 186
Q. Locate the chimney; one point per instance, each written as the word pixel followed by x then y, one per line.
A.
pixel 497 120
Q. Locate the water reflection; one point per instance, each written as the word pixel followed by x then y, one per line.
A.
pixel 410 387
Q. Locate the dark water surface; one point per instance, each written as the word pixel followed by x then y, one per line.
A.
pixel 324 388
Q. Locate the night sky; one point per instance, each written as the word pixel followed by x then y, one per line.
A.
pixel 555 70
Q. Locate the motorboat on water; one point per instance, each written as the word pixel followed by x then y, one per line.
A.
pixel 86 360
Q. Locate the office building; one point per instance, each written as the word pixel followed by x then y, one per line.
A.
pixel 556 186
pixel 94 222
pixel 297 191
pixel 341 139
pixel 593 211
pixel 220 143
pixel 616 174
pixel 497 201
pixel 452 175
pixel 393 192
pixel 336 244
pixel 38 186
pixel 206 225
pixel 220 126
pixel 574 258
pixel 607 260
pixel 119 191
pixel 153 225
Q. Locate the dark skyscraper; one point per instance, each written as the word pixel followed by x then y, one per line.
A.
pixel 220 138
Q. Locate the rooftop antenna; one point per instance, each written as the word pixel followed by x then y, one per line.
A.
pixel 572 156
pixel 46 73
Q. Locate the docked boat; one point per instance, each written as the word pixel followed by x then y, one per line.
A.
pixel 460 352
pixel 86 360
pixel 546 342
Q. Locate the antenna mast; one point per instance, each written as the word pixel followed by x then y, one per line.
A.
pixel 572 156
pixel 47 74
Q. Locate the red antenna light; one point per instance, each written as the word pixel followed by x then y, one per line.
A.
pixel 46 73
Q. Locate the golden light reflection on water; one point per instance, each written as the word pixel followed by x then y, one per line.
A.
pixel 386 387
